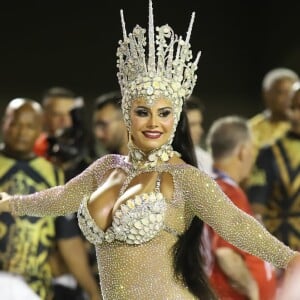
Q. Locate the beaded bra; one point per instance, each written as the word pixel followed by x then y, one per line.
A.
pixel 136 221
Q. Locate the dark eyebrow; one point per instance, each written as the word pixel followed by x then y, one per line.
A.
pixel 166 107
pixel 147 108
pixel 141 106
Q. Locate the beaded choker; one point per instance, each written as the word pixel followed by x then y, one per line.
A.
pixel 141 160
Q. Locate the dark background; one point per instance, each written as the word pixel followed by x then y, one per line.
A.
pixel 73 44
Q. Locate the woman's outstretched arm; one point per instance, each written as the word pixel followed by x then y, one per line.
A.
pixel 206 200
pixel 60 200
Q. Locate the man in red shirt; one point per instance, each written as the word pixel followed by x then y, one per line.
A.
pixel 236 275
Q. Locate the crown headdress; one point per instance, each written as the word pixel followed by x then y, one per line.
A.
pixel 167 70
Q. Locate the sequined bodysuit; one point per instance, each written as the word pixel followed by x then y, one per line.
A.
pixel 133 268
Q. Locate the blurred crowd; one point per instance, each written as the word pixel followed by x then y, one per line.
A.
pixel 256 163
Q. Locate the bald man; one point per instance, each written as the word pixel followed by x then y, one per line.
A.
pixel 235 273
pixel 21 126
pixel 26 242
pixel 272 123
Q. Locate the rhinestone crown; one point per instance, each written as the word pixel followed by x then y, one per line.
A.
pixel 167 71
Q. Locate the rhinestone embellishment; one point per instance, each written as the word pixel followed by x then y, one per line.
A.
pixel 136 221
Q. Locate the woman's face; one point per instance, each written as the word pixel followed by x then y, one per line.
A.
pixel 151 126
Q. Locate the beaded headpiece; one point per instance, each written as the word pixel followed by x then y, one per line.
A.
pixel 166 71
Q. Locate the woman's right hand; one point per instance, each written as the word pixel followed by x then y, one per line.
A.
pixel 4 202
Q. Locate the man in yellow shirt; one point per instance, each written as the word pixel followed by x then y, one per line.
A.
pixel 271 124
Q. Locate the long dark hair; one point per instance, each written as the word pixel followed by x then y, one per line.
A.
pixel 188 260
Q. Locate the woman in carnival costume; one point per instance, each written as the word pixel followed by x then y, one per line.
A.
pixel 144 213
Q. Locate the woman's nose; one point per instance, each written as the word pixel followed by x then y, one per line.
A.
pixel 152 121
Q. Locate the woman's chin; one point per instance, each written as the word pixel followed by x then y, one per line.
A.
pixel 149 146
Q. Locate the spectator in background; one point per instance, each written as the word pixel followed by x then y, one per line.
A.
pixel 109 130
pixel 64 139
pixel 236 274
pixel 272 123
pixel 27 242
pixel 62 143
pixel 194 110
pixel 57 103
pixel 274 186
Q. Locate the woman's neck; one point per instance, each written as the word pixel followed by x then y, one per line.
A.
pixel 149 159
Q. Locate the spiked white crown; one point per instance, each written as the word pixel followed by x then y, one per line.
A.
pixel 167 70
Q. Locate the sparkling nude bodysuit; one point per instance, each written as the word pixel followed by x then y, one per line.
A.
pixel 135 252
